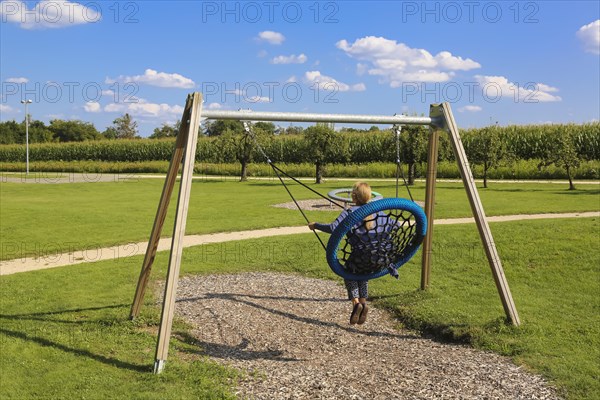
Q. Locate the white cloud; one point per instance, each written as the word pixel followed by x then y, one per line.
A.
pixel 271 37
pixel 7 109
pixel 144 109
pixel 258 99
pixel 214 106
pixel 292 79
pixel 546 88
pixel 250 98
pixel 293 59
pixel 17 80
pixel 361 69
pixel 396 62
pixel 49 14
pixel 155 78
pixel 499 86
pixel 590 36
pixel 92 107
pixel 470 109
pixel 114 107
pixel 325 82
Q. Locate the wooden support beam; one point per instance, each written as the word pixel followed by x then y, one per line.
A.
pixel 168 310
pixel 430 180
pixel 479 214
pixel 163 207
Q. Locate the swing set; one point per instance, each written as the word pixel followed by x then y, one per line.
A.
pixel 397 227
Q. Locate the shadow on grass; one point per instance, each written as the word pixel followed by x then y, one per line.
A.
pixel 39 316
pixel 46 342
pixel 78 352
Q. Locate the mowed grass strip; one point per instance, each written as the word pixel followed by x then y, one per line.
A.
pixel 65 332
pixel 45 219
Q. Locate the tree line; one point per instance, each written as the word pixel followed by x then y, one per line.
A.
pixel 58 130
pixel 564 145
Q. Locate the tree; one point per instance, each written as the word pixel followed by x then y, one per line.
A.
pixel 325 146
pixel 110 133
pixel 10 132
pixel 293 130
pixel 413 148
pixel 266 127
pixel 486 148
pixel 124 127
pixel 73 131
pixel 555 144
pixel 561 151
pixel 220 126
pixel 237 144
pixel 166 131
pixel 38 132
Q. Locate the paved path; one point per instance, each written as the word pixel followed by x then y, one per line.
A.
pixel 92 177
pixel 133 249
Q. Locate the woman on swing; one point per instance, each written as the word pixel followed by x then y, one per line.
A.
pixel 357 290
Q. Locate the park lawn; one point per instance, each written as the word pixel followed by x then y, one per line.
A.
pixel 43 219
pixel 65 332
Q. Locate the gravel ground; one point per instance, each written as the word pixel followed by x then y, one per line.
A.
pixel 291 335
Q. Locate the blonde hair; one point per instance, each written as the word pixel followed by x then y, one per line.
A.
pixel 361 193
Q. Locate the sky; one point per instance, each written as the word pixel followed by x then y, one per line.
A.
pixel 495 62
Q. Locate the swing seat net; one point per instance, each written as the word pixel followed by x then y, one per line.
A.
pixel 376 239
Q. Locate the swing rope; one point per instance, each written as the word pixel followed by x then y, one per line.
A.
pixel 400 227
pixel 399 171
pixel 278 171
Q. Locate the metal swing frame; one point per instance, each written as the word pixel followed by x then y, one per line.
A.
pixel 440 119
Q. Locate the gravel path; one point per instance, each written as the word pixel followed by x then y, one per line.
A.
pixel 291 334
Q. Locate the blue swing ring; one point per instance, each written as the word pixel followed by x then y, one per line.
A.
pixel 361 213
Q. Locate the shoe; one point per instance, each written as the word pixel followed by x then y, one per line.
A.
pixel 356 312
pixel 363 314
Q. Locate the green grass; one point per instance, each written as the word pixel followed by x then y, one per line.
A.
pixel 555 281
pixel 65 333
pixel 518 169
pixel 67 336
pixel 42 219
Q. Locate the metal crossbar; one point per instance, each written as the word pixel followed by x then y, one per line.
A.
pixel 246 115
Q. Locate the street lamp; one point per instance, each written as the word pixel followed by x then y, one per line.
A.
pixel 26 102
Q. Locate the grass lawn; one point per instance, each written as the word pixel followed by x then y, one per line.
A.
pixel 64 332
pixel 47 219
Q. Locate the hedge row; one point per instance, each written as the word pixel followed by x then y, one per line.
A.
pixel 519 170
pixel 524 142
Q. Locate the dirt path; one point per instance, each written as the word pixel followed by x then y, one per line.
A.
pixel 51 260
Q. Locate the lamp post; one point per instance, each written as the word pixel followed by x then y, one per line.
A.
pixel 26 102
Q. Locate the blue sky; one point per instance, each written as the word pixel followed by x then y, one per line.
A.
pixel 494 61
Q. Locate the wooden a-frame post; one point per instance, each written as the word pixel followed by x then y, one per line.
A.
pixel 185 150
pixel 444 119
